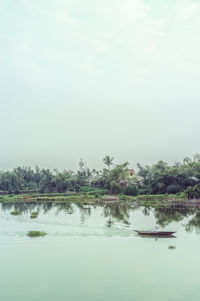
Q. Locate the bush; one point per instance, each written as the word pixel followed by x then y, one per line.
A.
pixel 89 190
pixel 130 190
pixel 86 189
pixel 173 188
pixel 193 192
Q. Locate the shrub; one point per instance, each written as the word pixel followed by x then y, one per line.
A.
pixel 85 189
pixel 130 190
pixel 173 188
pixel 193 192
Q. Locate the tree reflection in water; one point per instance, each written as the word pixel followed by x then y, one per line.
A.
pixel 118 212
pixel 85 211
pixel 28 207
pixel 114 212
pixel 65 207
pixel 194 223
pixel 146 210
pixel 165 216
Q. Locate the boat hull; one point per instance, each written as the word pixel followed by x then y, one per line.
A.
pixel 155 233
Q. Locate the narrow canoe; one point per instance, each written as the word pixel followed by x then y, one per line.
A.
pixel 155 233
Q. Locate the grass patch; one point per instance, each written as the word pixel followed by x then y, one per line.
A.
pixel 36 233
pixel 157 201
pixel 16 213
pixel 34 214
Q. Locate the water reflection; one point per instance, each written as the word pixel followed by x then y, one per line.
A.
pixel 165 216
pixel 85 212
pixel 146 210
pixel 194 223
pixel 28 207
pixel 65 207
pixel 113 213
pixel 118 213
pixel 157 236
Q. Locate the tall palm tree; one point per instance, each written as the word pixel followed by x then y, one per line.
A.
pixel 108 161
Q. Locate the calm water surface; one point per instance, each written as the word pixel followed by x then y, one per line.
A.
pixel 91 253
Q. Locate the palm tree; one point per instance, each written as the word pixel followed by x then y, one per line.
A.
pixel 108 161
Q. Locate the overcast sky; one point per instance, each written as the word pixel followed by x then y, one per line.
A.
pixel 87 78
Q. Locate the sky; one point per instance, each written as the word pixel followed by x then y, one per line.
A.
pixel 89 78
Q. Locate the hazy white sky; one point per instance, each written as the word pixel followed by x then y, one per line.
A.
pixel 87 78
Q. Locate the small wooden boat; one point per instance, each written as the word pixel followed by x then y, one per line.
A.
pixel 155 233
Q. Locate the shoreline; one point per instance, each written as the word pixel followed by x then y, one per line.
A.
pixel 140 200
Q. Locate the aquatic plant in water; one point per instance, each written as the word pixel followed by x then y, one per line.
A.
pixel 16 213
pixel 36 233
pixel 34 214
pixel 172 247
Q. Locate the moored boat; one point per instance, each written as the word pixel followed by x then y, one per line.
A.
pixel 155 233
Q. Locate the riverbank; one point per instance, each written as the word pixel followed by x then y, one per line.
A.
pixel 162 200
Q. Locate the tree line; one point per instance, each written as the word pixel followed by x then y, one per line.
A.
pixel 158 178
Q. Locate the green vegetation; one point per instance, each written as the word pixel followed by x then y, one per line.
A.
pixel 180 181
pixel 16 213
pixel 36 233
pixel 172 247
pixel 34 214
pixel 108 161
pixel 158 201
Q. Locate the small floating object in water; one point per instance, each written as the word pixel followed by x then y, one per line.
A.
pixel 34 214
pixel 36 233
pixel 16 213
pixel 172 247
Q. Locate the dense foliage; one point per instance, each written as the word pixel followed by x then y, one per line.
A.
pixel 159 178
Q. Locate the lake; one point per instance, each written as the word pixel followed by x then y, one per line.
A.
pixel 91 253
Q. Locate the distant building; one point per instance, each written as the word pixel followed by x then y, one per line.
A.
pixel 131 172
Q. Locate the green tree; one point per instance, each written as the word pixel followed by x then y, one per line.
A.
pixel 108 161
pixel 117 177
